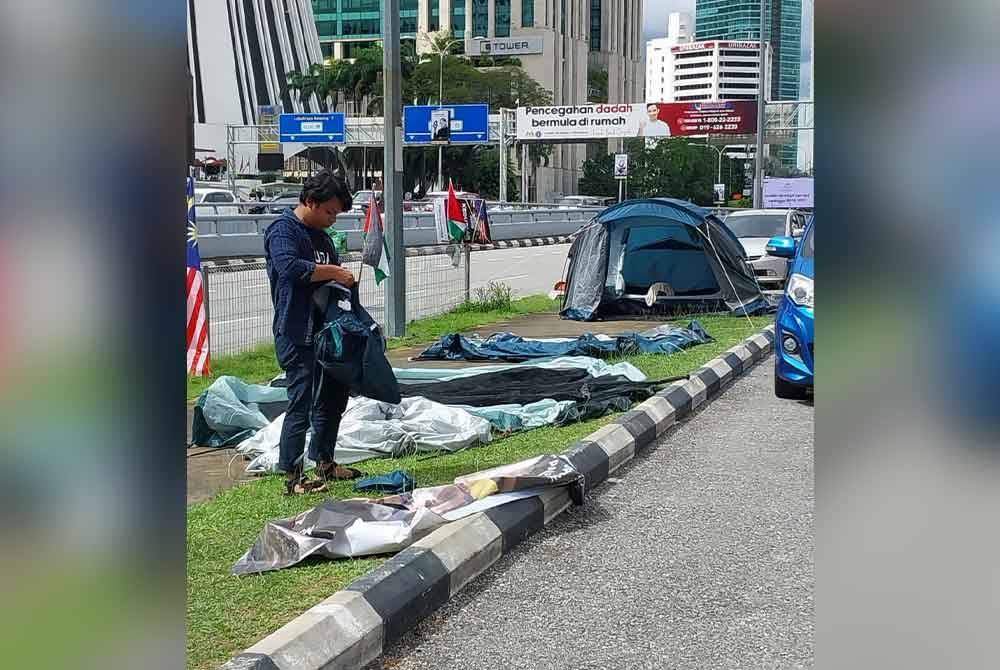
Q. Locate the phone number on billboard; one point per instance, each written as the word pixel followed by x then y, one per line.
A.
pixel 711 127
pixel 717 119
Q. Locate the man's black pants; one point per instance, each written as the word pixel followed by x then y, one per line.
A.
pixel 323 411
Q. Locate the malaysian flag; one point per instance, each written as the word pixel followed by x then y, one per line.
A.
pixel 197 317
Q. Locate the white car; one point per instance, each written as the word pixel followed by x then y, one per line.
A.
pixel 754 227
pixel 577 201
pixel 224 201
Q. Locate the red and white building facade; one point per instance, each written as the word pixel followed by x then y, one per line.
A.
pixel 709 70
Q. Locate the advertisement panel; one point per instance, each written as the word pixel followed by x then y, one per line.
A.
pixel 621 166
pixel 788 193
pixel 658 119
pixel 441 126
pixel 267 118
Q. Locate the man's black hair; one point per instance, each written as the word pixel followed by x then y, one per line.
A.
pixel 326 186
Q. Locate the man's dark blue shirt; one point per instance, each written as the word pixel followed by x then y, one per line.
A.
pixel 293 250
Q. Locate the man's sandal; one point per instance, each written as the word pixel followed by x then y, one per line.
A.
pixel 331 472
pixel 297 484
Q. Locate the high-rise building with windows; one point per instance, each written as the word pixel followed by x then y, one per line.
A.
pixel 240 53
pixel 570 37
pixel 347 25
pixel 740 20
pixel 660 57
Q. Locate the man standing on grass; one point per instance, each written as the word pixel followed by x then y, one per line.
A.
pixel 301 257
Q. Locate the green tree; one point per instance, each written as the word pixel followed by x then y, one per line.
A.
pixel 672 168
pixel 597 84
pixel 598 177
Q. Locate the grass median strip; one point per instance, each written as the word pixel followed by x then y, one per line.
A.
pixel 260 365
pixel 227 614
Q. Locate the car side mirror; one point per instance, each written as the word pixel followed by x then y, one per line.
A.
pixel 781 246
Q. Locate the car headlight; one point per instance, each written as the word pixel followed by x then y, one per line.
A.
pixel 800 290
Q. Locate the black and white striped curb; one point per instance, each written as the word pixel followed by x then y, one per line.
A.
pixel 352 627
pixel 437 250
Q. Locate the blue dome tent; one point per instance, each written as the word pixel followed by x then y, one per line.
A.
pixel 657 256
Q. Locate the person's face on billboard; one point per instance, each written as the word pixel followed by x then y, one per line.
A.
pixel 653 112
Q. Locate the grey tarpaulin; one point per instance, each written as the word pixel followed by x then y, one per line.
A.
pixel 364 527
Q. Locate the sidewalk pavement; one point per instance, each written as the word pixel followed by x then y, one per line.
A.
pixel 208 470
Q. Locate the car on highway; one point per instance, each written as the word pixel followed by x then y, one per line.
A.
pixel 216 200
pixel 363 198
pixel 794 365
pixel 283 202
pixel 754 227
pixel 577 201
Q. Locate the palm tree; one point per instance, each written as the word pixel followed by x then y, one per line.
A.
pixel 306 84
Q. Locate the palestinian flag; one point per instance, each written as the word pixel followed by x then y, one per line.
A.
pixel 456 217
pixel 374 251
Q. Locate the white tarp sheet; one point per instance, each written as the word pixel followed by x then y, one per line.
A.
pixel 372 429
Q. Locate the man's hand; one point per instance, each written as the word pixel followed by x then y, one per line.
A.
pixel 325 273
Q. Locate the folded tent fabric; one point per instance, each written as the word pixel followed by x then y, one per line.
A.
pixel 664 339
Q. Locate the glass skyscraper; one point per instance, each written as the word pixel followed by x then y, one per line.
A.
pixel 358 23
pixel 740 20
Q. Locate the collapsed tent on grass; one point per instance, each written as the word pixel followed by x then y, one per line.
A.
pixel 231 410
pixel 665 339
pixel 372 429
pixel 525 386
pixel 461 412
pixel 657 256
pixel 366 527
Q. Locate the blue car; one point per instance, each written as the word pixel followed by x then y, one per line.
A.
pixel 793 343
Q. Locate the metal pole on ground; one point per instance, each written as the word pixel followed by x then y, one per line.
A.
pixel 758 182
pixel 468 271
pixel 524 172
pixel 440 180
pixel 392 172
pixel 503 157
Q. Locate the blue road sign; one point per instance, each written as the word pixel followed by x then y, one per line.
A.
pixel 470 124
pixel 312 128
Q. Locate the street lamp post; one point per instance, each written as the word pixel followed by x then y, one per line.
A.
pixel 442 46
pixel 758 181
pixel 717 150
pixel 440 102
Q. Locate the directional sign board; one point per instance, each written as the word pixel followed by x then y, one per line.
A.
pixel 470 124
pixel 312 128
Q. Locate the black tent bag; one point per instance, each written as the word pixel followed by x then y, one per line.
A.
pixel 350 347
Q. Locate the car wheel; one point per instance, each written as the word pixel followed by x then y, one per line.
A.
pixel 788 390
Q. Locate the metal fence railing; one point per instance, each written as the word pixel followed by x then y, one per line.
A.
pixel 240 312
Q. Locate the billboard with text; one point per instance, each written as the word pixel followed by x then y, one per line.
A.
pixel 658 119
pixel 788 193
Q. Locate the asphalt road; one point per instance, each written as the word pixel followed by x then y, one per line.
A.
pixel 240 311
pixel 698 555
